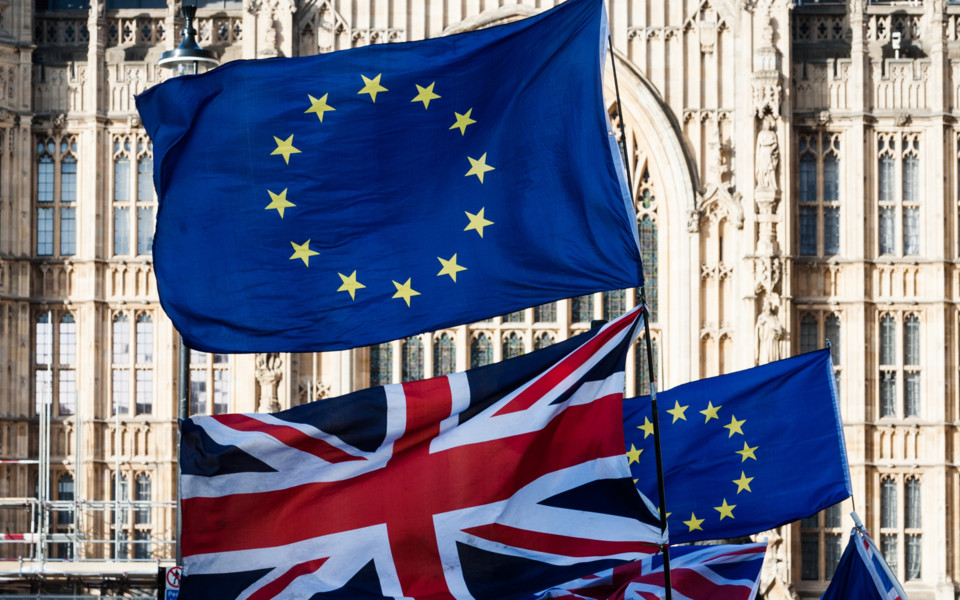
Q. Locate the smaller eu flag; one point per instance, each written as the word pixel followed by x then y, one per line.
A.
pixel 333 201
pixel 743 452
pixel 863 573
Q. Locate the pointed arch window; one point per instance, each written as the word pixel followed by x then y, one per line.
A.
pixel 132 363
pixel 444 355
pixel 134 200
pixel 581 309
pixel 210 390
pixel 381 364
pixel 512 345
pixel 57 196
pixel 899 206
pixel 411 357
pixel 55 357
pixel 647 230
pixel 819 193
pixel 614 304
pixel 481 351
pixel 543 340
pixel 545 313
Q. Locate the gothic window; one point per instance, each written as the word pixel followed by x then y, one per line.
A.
pixel 888 374
pixel 55 362
pixel 545 313
pixel 903 366
pixel 906 534
pixel 141 515
pixel 65 494
pixel 614 304
pixel 581 309
pixel 512 345
pixel 809 333
pixel 542 341
pixel 912 511
pixel 121 518
pixel 642 368
pixel 57 196
pixel 819 194
pixel 209 383
pixel 381 364
pixel 514 317
pixel 821 531
pixel 899 205
pixel 444 355
pixel 816 329
pixel 132 363
pixel 481 351
pixel 411 356
pixel 134 201
pixel 647 230
pixel 911 366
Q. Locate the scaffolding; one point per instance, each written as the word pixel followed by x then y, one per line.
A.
pixel 79 545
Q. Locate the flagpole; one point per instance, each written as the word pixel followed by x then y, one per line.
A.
pixel 665 548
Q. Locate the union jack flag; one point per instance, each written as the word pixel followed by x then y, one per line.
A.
pixel 863 573
pixel 696 573
pixel 493 483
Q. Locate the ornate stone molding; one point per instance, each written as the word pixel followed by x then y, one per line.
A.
pixel 269 372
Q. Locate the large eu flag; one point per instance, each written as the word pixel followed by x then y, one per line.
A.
pixel 339 200
pixel 744 452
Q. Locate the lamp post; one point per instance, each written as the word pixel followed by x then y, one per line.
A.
pixel 187 59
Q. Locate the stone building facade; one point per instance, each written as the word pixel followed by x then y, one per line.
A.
pixel 796 174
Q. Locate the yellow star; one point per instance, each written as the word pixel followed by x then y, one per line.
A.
pixel 303 252
pixel 318 107
pixel 747 452
pixel 677 411
pixel 734 426
pixel 279 202
pixel 694 523
pixel 726 510
pixel 743 483
pixel 450 267
pixel 285 148
pixel 710 412
pixel 405 291
pixel 478 166
pixel 426 95
pixel 463 121
pixel 372 87
pixel 634 455
pixel 477 221
pixel 647 427
pixel 350 284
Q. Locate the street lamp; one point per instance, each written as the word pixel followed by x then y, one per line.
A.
pixel 188 58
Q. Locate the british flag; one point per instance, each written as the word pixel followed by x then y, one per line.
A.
pixel 493 483
pixel 729 572
pixel 862 571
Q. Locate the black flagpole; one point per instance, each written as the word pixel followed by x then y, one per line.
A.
pixel 665 548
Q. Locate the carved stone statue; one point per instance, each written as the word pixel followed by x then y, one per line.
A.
pixel 767 155
pixel 269 371
pixel 769 332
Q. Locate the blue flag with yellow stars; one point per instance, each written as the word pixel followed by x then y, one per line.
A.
pixel 345 199
pixel 743 452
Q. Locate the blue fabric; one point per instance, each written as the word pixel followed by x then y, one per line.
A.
pixel 381 187
pixel 785 411
pixel 862 574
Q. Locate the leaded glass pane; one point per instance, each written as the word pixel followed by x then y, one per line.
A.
pixel 911 179
pixel 144 339
pixel 831 230
pixel 545 313
pixel 811 522
pixel 912 509
pixel 888 503
pixel 885 179
pixel 45 179
pixel 514 317
pixel 647 230
pixel 832 516
pixel 808 230
pixel 481 351
pixel 121 179
pixel 831 330
pixel 68 179
pixel 121 230
pixel 121 340
pixel 141 545
pixel 145 179
pixel 65 494
pixel 810 556
pixel 888 394
pixel 512 346
pixel 914 549
pixel 198 392
pixel 68 231
pixel 144 391
pixel 68 392
pixel 44 349
pixel 43 388
pixel 911 231
pixel 832 550
pixel 888 546
pixel 911 340
pixel 911 394
pixel 581 309
pixel 831 178
pixel 888 340
pixel 411 356
pixel 45 231
pixel 381 364
pixel 886 235
pixel 444 356
pixel 145 226
pixel 614 304
pixel 808 178
pixel 809 339
pixel 221 391
pixel 121 391
pixel 542 341
pixel 144 491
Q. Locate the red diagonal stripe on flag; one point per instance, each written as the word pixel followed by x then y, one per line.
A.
pixel 556 544
pixel 290 436
pixel 279 584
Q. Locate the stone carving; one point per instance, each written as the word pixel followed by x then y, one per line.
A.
pixel 769 332
pixel 767 155
pixel 776 569
pixel 269 372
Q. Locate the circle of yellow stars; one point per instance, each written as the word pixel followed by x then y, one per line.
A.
pixel 320 105
pixel 735 427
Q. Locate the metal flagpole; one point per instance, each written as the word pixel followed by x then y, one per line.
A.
pixel 665 548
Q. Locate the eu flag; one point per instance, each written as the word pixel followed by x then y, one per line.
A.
pixel 333 201
pixel 743 452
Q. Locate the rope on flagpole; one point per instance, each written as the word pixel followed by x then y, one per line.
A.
pixel 665 548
